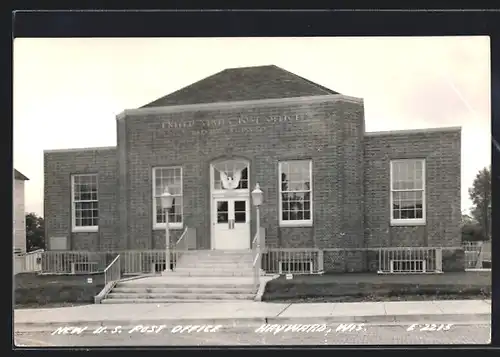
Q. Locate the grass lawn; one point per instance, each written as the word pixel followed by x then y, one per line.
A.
pixel 353 287
pixel 34 291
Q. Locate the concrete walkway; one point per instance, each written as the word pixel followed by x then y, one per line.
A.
pixel 250 312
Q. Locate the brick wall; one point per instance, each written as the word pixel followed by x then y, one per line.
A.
pixel 329 132
pixel 441 151
pixel 350 175
pixel 59 165
pixel 19 217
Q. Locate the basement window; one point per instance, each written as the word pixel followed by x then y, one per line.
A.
pixel 296 267
pixel 407 266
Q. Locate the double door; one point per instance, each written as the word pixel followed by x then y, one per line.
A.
pixel 231 223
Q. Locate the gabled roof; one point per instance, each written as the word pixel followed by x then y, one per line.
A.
pixel 19 176
pixel 245 83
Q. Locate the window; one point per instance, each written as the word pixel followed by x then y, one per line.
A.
pixel 171 177
pixel 295 193
pixel 408 192
pixel 85 215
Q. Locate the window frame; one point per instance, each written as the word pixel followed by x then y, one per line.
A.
pixel 74 227
pixel 171 225
pixel 295 223
pixel 408 221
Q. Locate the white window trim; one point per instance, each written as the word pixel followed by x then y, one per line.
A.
pixel 171 225
pixel 410 221
pixel 294 223
pixel 84 229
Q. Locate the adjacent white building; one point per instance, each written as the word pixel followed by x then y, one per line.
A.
pixel 19 224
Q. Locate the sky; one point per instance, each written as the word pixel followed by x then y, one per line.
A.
pixel 67 92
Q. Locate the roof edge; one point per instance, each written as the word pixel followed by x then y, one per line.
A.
pixel 79 149
pixel 244 103
pixel 150 104
pixel 314 84
pixel 415 131
pixel 19 176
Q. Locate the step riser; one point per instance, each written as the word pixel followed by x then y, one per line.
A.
pixel 213 267
pixel 222 256
pixel 214 274
pixel 217 253
pixel 182 296
pixel 220 262
pixel 228 255
pixel 183 290
pixel 215 270
pixel 177 287
pixel 216 261
pixel 158 301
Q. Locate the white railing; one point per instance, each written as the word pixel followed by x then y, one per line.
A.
pixel 28 262
pixel 136 262
pixel 270 260
pixel 410 260
pixel 256 264
pixel 113 271
pixel 180 247
pixel 74 262
pixel 476 254
pixel 292 260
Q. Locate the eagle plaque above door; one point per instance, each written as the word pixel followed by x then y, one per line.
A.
pixel 231 175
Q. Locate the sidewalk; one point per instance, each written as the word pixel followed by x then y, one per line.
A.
pixel 252 313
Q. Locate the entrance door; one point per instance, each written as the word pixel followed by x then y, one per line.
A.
pixel 231 223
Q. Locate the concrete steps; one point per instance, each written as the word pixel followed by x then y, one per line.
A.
pixel 210 276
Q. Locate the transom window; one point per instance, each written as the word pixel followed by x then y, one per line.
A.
pixel 85 202
pixel 408 192
pixel 230 174
pixel 295 192
pixel 171 177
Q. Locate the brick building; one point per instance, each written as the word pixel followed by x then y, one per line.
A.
pixel 327 183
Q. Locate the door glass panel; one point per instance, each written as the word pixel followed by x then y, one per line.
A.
pixel 240 211
pixel 222 212
pixel 240 217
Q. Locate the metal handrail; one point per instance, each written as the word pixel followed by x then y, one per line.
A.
pixel 175 248
pixel 256 253
pixel 255 259
pixel 182 236
pixel 116 260
pixel 255 238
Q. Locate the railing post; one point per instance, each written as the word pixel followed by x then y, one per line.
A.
pixel 439 260
pixel 380 260
pixel 320 261
pixel 257 263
